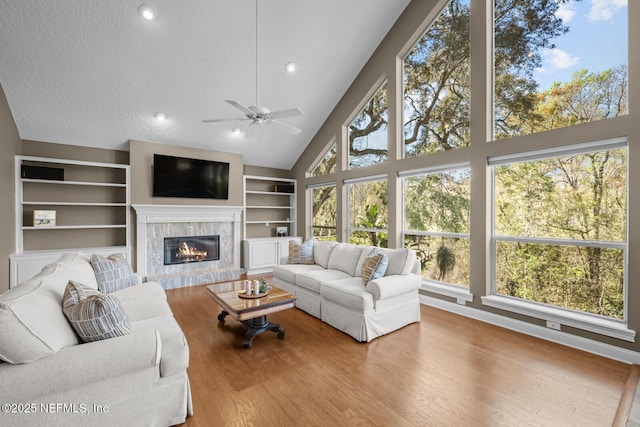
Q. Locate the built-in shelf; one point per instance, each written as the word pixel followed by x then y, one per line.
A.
pixel 266 209
pixel 85 196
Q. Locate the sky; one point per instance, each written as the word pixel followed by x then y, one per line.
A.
pixel 597 40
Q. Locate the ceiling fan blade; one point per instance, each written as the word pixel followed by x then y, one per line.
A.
pixel 241 107
pixel 235 119
pixel 291 112
pixel 290 129
pixel 252 130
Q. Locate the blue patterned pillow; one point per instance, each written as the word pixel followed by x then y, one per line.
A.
pixel 300 253
pixel 113 273
pixel 374 266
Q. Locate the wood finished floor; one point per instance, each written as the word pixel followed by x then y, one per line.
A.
pixel 447 370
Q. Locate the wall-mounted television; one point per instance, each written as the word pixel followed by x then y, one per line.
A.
pixel 193 178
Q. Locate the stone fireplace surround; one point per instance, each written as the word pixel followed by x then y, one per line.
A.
pixel 155 222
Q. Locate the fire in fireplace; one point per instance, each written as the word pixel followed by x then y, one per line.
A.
pixel 181 250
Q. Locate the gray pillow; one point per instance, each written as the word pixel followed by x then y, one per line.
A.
pixel 113 273
pixel 96 317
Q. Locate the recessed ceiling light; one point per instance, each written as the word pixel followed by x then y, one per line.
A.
pixel 236 132
pixel 290 67
pixel 160 116
pixel 146 12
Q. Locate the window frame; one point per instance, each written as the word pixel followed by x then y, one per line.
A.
pixel 310 188
pixel 453 290
pixel 352 181
pixel 554 315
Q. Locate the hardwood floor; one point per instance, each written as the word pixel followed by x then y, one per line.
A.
pixel 447 370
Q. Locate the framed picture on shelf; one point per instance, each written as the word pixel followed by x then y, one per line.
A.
pixel 44 218
pixel 281 232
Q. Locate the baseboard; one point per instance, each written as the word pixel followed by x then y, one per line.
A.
pixel 559 337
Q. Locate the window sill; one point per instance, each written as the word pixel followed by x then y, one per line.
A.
pixel 608 327
pixel 457 292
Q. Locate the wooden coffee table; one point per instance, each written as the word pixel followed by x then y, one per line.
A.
pixel 252 313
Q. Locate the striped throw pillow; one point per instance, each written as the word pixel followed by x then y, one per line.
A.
pixel 113 272
pixel 374 266
pixel 96 317
pixel 300 254
pixel 76 292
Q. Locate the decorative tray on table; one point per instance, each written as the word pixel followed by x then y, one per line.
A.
pixel 243 294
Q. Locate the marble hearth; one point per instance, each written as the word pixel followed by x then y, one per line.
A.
pixel 154 223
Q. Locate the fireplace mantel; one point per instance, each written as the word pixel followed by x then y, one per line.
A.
pixel 159 214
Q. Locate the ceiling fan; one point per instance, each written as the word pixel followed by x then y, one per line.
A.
pixel 258 114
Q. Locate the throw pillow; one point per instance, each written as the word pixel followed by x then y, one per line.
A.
pixel 76 292
pixel 300 254
pixel 374 266
pixel 98 317
pixel 113 272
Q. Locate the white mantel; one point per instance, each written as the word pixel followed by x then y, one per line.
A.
pixel 147 215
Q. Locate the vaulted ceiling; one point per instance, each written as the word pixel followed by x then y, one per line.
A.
pixel 95 73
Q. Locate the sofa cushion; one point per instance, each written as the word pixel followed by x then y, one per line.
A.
pixel 288 272
pixel 113 272
pixel 75 266
pixel 141 291
pixel 313 279
pixel 348 292
pixel 76 292
pixel 97 317
pixel 401 260
pixel 322 251
pixel 344 257
pixel 144 308
pixel 374 266
pixel 300 253
pixel 33 324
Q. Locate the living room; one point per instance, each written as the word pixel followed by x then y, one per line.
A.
pixel 475 158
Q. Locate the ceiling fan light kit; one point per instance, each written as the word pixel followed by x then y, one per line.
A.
pixel 258 114
pixel 146 12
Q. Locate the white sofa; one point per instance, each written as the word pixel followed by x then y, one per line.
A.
pixel 47 377
pixel 332 289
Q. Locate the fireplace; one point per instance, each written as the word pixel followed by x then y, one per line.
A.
pixel 187 249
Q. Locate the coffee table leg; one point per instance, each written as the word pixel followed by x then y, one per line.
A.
pixel 257 326
pixel 222 315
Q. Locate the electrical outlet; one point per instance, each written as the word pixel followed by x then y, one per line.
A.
pixel 461 301
pixel 553 325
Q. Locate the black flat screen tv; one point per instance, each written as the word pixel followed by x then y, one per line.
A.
pixel 192 178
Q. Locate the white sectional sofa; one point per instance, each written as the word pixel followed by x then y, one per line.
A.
pixel 48 377
pixel 332 289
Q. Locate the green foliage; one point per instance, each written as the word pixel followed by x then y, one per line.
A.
pixel 446 260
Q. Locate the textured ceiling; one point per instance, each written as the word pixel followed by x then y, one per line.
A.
pixel 94 73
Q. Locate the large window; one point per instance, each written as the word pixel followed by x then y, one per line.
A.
pixel 368 132
pixel 436 222
pixel 560 227
pixel 558 63
pixel 437 85
pixel 368 211
pixel 323 212
pixel 327 164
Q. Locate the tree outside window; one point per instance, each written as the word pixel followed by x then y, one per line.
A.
pixel 437 86
pixel 560 230
pixel 558 63
pixel 368 214
pixel 323 219
pixel 368 132
pixel 436 224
